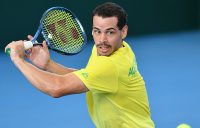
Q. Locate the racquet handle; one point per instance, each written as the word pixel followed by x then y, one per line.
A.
pixel 27 45
pixel 8 51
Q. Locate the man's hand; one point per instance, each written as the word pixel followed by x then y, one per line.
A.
pixel 17 50
pixel 39 55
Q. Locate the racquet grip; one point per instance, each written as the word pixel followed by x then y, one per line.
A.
pixel 8 51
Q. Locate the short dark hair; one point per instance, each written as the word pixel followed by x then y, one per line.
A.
pixel 110 9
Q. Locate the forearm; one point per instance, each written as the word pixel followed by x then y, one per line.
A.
pixel 53 84
pixel 44 81
pixel 56 68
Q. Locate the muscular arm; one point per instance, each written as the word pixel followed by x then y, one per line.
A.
pixel 50 83
pixel 54 84
pixel 54 67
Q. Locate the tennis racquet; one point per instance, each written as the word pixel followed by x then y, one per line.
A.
pixel 62 31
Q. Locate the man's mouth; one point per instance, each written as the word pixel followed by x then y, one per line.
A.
pixel 103 48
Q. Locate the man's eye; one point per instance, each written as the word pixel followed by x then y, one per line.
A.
pixel 109 33
pixel 97 32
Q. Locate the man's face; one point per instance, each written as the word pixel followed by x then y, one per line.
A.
pixel 107 36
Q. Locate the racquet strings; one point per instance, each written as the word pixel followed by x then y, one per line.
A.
pixel 63 31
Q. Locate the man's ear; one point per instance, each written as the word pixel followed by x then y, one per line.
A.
pixel 124 31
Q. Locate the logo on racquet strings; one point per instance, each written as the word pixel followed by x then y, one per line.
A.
pixel 61 32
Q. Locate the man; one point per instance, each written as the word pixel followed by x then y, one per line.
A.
pixel 116 93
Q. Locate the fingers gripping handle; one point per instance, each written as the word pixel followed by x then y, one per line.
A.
pixel 27 45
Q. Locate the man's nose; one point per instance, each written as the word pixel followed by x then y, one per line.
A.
pixel 103 37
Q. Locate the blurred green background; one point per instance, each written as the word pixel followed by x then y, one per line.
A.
pixel 21 17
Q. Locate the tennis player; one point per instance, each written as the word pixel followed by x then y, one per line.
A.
pixel 116 94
